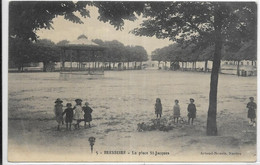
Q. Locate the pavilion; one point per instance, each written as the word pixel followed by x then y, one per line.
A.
pixel 81 51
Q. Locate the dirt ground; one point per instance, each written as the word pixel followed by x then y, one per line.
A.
pixel 120 101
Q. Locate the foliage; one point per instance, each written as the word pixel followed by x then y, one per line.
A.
pixel 117 52
pixel 26 17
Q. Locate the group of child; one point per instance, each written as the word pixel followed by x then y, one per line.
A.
pixel 176 110
pixel 192 110
pixel 77 113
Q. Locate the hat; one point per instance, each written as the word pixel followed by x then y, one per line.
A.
pixel 68 104
pixel 58 100
pixel 191 99
pixel 78 100
pixel 251 98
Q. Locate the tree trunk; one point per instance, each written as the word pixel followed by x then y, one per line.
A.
pixel 141 65
pixel 128 65
pixel 44 66
pixel 212 111
pixel 109 66
pixel 238 73
pixel 206 66
pixel 158 64
pixel 135 64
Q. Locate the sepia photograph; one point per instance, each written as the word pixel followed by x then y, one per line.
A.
pixel 132 81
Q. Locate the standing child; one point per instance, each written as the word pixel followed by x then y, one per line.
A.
pixel 191 111
pixel 251 111
pixel 158 108
pixel 176 111
pixel 58 112
pixel 69 115
pixel 78 115
pixel 87 114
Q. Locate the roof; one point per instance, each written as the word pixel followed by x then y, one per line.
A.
pixel 82 44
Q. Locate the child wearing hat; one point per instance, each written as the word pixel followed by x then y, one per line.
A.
pixel 191 111
pixel 176 111
pixel 251 111
pixel 158 108
pixel 69 115
pixel 78 115
pixel 58 112
pixel 87 114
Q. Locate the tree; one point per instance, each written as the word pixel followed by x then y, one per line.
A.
pixel 245 51
pixel 44 51
pixel 193 23
pixel 19 53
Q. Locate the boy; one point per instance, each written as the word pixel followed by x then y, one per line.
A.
pixel 69 115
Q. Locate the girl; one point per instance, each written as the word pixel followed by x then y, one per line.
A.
pixel 251 111
pixel 158 108
pixel 69 115
pixel 58 112
pixel 78 115
pixel 191 111
pixel 87 114
pixel 176 111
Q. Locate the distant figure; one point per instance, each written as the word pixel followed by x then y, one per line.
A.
pixel 58 112
pixel 78 115
pixel 176 111
pixel 87 114
pixel 251 111
pixel 69 115
pixel 191 111
pixel 158 108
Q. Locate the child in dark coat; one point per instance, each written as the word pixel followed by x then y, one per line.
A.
pixel 158 108
pixel 251 111
pixel 191 111
pixel 69 115
pixel 87 114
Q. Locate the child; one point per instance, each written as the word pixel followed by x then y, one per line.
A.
pixel 69 115
pixel 87 114
pixel 58 112
pixel 176 111
pixel 251 111
pixel 158 107
pixel 78 115
pixel 191 111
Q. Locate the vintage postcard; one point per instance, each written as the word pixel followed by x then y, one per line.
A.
pixel 105 81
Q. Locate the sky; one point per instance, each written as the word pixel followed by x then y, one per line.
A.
pixel 94 29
